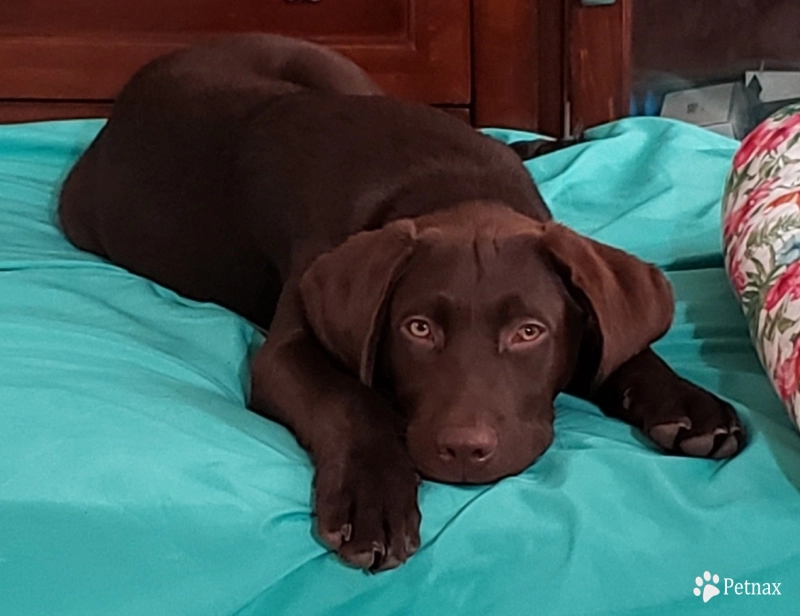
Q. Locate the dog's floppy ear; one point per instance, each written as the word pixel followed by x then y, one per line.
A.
pixel 631 300
pixel 344 293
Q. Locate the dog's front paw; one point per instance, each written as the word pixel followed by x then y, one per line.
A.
pixel 366 507
pixel 688 420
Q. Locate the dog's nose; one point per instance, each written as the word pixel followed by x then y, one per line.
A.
pixel 466 446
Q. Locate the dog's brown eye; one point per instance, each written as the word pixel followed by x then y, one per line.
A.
pixel 527 332
pixel 419 328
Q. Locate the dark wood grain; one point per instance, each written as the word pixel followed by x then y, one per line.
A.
pixel 518 52
pixel 494 62
pixel 128 18
pixel 505 56
pixel 599 62
pixel 552 63
pixel 87 49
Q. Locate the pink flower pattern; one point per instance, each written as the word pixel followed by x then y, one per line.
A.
pixel 787 374
pixel 761 237
pixel 788 285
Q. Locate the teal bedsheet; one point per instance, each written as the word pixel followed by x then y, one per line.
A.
pixel 133 480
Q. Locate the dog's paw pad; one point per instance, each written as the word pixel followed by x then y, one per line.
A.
pixel 722 442
pixel 690 422
pixel 666 433
pixel 699 446
pixel 730 445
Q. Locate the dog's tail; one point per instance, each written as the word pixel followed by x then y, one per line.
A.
pixel 318 68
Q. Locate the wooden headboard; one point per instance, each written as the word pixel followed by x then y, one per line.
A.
pixel 486 60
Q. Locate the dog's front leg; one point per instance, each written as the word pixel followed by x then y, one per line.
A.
pixel 365 487
pixel 679 416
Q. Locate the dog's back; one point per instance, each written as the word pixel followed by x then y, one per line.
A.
pixel 170 142
pixel 225 166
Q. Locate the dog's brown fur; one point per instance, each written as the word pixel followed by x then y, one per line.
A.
pixel 423 309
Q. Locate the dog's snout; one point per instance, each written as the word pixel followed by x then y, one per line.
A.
pixel 475 453
pixel 466 446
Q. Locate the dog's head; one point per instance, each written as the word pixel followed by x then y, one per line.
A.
pixel 473 319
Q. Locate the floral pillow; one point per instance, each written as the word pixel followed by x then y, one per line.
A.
pixel 761 237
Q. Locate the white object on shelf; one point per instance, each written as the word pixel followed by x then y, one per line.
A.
pixel 776 86
pixel 723 108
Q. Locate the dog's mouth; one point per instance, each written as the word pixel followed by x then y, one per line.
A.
pixel 467 476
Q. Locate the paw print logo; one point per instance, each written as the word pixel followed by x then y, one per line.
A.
pixel 706 586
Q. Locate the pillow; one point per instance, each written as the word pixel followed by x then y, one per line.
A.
pixel 761 236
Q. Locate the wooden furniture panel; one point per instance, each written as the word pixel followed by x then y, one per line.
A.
pixel 518 64
pixel 492 62
pixel 328 18
pixel 518 56
pixel 87 49
pixel 505 75
pixel 599 83
pixel 553 65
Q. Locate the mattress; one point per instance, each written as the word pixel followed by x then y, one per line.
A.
pixel 133 481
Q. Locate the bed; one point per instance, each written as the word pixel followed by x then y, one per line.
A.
pixel 133 481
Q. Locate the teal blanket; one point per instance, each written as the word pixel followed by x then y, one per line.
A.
pixel 134 482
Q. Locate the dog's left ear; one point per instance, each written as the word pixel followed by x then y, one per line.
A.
pixel 344 293
pixel 632 301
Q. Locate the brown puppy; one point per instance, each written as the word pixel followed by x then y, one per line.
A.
pixel 423 309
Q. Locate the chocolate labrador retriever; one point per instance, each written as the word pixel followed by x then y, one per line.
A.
pixel 423 309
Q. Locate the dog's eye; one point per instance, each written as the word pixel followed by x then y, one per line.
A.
pixel 419 328
pixel 526 333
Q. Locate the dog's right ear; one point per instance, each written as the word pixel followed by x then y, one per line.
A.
pixel 344 293
pixel 631 300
